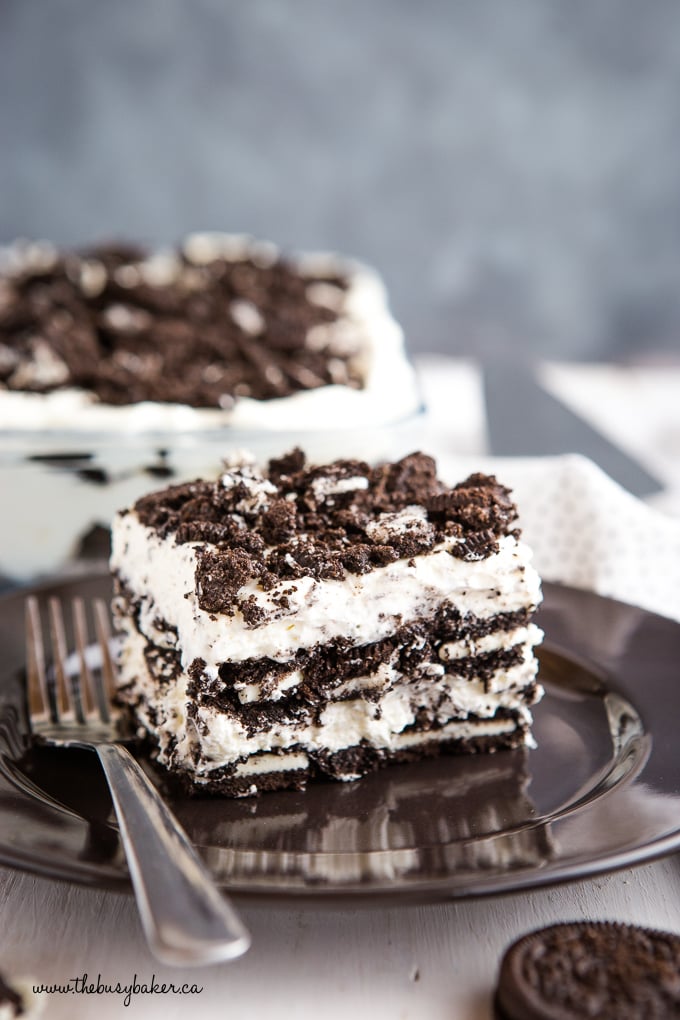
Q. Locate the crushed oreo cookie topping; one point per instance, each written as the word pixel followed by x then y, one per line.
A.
pixel 199 325
pixel 299 520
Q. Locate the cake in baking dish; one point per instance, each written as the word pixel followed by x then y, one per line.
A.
pixel 306 620
pixel 222 330
pixel 120 365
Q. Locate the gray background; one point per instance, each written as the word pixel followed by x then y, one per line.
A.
pixel 511 166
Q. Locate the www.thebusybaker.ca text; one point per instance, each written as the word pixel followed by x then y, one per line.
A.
pixel 84 986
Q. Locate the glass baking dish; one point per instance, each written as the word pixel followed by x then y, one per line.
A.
pixel 61 488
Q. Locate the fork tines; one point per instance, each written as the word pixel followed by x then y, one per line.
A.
pixel 73 683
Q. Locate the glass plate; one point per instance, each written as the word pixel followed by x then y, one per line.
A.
pixel 601 790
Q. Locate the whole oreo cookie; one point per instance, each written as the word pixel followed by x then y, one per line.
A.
pixel 590 969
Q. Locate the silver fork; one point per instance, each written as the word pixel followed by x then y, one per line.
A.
pixel 185 918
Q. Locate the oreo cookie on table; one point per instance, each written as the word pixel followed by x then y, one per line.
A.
pixel 587 969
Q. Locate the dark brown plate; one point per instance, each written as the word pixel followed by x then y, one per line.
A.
pixel 601 790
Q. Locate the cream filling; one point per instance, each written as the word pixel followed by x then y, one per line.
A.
pixel 461 730
pixel 495 642
pixel 363 608
pixel 456 729
pixel 273 763
pixel 471 696
pixel 286 684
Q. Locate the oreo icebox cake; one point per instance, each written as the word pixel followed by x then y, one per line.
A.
pixel 300 620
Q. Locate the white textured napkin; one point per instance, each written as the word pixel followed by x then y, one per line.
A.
pixel 585 530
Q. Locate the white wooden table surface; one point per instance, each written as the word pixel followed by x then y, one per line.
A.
pixel 423 963
pixel 427 962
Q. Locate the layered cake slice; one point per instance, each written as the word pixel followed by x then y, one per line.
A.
pixel 302 620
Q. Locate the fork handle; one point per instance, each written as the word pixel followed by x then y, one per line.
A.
pixel 185 918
